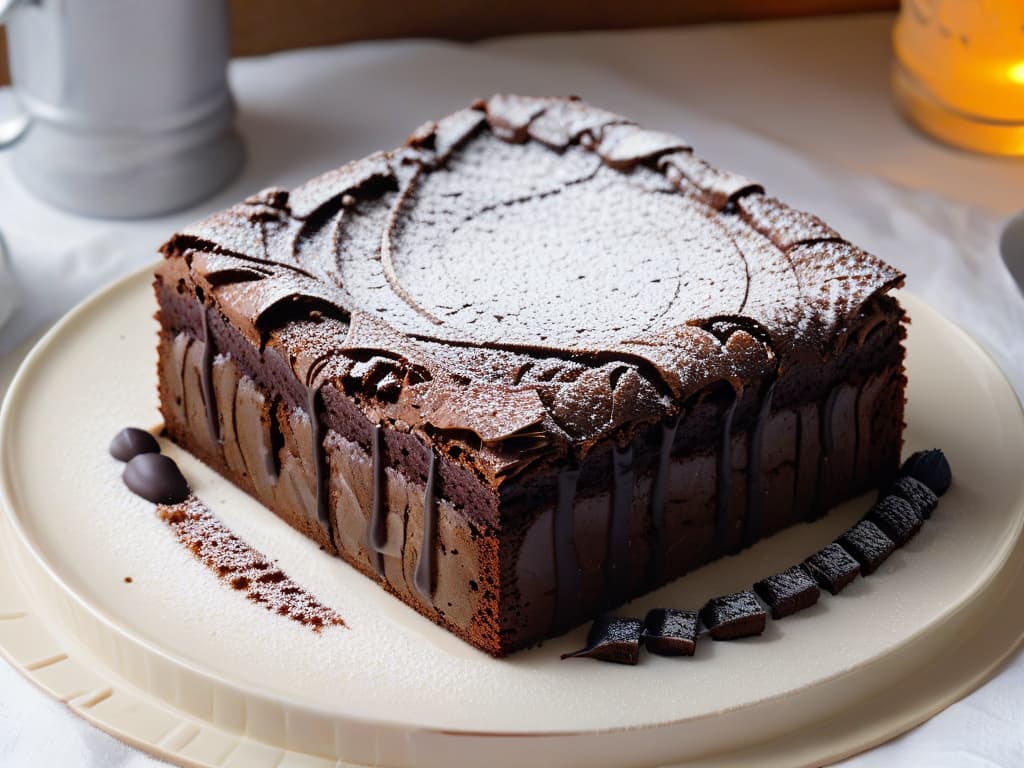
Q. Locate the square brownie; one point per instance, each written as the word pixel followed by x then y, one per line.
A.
pixel 535 362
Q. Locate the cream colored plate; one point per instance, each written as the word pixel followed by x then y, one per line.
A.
pixel 186 668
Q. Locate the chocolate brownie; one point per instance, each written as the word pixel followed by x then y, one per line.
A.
pixel 535 362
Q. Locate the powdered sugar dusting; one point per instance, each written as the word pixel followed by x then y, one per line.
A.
pixel 242 567
pixel 544 252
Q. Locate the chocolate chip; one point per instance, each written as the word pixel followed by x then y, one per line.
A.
pixel 670 632
pixel 612 638
pixel 931 468
pixel 733 616
pixel 788 592
pixel 156 478
pixel 917 494
pixel 130 442
pixel 896 518
pixel 833 568
pixel 868 545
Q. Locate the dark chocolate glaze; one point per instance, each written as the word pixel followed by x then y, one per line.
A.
pixel 724 478
pixel 378 528
pixel 659 491
pixel 567 569
pixel 617 561
pixel 130 442
pixel 206 373
pixel 753 520
pixel 321 473
pixel 156 478
pixel 426 570
pixel 270 458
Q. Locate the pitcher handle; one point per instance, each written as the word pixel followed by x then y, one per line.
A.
pixel 12 129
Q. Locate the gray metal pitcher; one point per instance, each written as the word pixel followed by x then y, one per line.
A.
pixel 125 106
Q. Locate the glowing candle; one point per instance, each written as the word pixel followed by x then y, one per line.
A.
pixel 959 71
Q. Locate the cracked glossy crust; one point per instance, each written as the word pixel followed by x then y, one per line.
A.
pixel 528 277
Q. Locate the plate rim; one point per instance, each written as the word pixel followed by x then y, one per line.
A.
pixel 95 302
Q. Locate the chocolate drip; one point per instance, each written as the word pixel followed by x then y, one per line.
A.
pixel 206 375
pixel 724 478
pixel 659 492
pixel 378 511
pixel 424 577
pixel 857 434
pixel 567 570
pixel 314 404
pixel 826 415
pixel 617 563
pixel 271 461
pixel 753 522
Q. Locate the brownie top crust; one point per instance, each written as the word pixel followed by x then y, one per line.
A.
pixel 529 276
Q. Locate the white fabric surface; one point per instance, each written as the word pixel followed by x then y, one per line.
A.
pixel 818 86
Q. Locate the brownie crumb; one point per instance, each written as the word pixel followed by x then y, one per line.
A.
pixel 868 544
pixel 833 568
pixel 242 567
pixel 127 579
pixel 733 616
pixel 612 638
pixel 788 592
pixel 670 632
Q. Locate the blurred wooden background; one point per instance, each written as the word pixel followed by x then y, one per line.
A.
pixel 262 26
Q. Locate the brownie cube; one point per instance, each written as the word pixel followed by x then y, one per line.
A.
pixel 917 494
pixel 670 632
pixel 868 544
pixel 833 568
pixel 788 592
pixel 612 638
pixel 733 616
pixel 896 518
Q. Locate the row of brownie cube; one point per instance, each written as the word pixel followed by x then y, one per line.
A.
pixel 894 519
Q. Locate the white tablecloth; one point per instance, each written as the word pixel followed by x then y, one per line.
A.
pixel 802 106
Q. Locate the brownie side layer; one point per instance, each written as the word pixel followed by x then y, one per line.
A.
pixel 496 584
pixel 256 425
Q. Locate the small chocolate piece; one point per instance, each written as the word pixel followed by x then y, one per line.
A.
pixel 670 632
pixel 931 468
pixel 612 638
pixel 156 478
pixel 868 544
pixel 833 568
pixel 917 494
pixel 896 518
pixel 788 592
pixel 130 442
pixel 733 616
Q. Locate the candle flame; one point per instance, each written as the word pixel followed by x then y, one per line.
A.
pixel 1016 72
